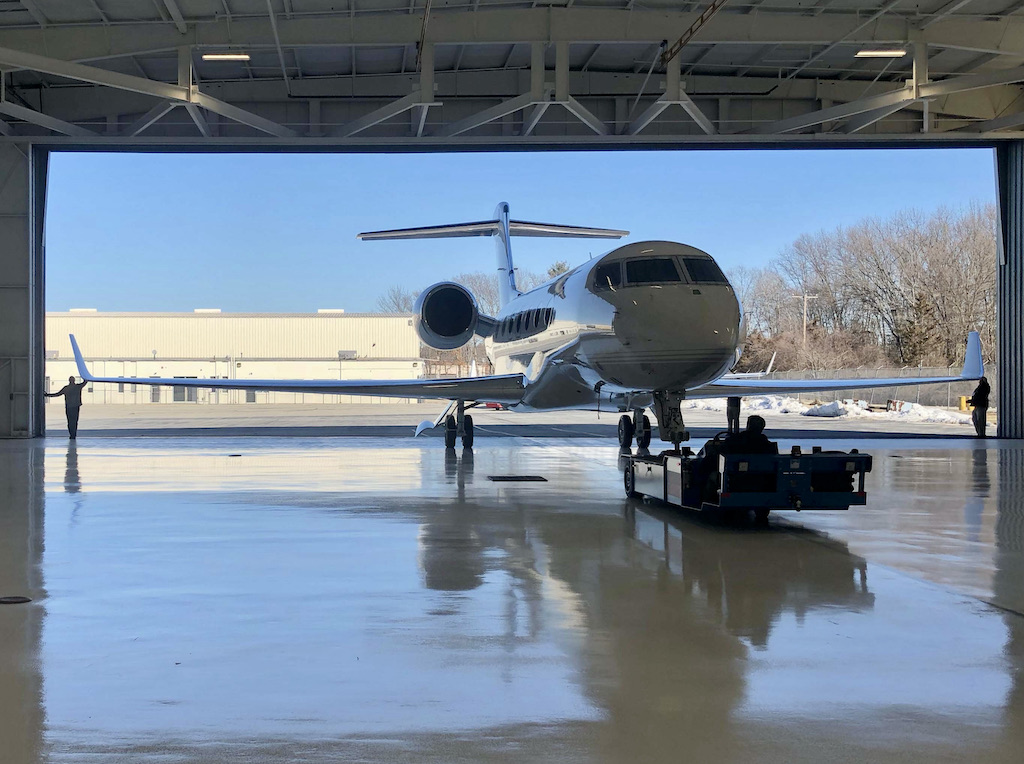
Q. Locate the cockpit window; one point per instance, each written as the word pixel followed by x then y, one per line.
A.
pixel 608 276
pixel 652 270
pixel 704 270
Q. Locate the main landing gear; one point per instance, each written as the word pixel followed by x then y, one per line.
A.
pixel 637 427
pixel 458 425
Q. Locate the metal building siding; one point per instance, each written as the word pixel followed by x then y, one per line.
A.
pixel 1009 282
pixel 187 335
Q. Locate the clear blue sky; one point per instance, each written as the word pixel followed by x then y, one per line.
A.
pixel 276 232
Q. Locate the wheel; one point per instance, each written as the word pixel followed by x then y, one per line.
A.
pixel 625 431
pixel 643 435
pixel 761 515
pixel 451 431
pixel 467 437
pixel 629 482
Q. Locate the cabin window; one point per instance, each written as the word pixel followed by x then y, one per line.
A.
pixel 704 270
pixel 652 270
pixel 608 276
pixel 519 324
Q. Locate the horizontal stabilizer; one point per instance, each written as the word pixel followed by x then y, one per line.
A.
pixel 493 228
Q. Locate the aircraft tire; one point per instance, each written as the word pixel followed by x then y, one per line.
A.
pixel 643 435
pixel 451 432
pixel 467 438
pixel 626 431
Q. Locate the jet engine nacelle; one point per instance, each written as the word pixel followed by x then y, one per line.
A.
pixel 446 316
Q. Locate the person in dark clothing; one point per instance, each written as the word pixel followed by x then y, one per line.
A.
pixel 752 440
pixel 979 399
pixel 72 393
pixel 732 413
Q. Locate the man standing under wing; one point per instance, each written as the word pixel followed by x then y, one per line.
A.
pixel 980 402
pixel 72 393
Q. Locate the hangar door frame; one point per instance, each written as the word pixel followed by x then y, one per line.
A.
pixel 23 256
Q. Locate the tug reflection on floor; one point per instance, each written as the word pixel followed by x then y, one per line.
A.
pixel 269 599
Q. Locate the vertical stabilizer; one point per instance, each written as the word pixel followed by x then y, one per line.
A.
pixel 506 268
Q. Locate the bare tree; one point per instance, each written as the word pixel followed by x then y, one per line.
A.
pixel 397 300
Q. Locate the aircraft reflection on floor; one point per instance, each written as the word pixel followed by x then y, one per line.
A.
pixel 747 579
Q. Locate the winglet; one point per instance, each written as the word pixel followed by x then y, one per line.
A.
pixel 974 367
pixel 83 372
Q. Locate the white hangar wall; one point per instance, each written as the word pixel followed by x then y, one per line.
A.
pixel 330 345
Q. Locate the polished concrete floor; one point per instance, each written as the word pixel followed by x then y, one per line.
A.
pixel 363 599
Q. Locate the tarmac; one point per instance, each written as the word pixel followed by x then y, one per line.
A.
pixel 298 597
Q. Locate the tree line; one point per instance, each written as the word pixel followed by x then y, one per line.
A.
pixel 903 290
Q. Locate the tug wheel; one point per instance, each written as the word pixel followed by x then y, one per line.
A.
pixel 761 515
pixel 629 482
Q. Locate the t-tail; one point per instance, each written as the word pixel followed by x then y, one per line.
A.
pixel 502 228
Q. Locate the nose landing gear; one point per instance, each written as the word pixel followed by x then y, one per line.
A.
pixel 638 426
pixel 459 425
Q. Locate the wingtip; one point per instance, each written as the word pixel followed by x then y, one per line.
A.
pixel 974 366
pixel 83 371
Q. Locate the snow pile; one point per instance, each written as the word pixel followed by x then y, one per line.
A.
pixel 919 413
pixel 853 409
pixel 835 408
pixel 772 404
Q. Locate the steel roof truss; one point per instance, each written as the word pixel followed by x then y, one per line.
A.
pixel 149 118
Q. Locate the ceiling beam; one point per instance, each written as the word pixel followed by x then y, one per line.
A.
pixel 200 121
pixel 510 106
pixel 548 25
pixel 5 129
pixel 584 115
pixel 44 120
pixel 386 112
pixel 868 118
pixel 951 7
pixel 82 73
pixel 175 11
pixel 241 115
pixel 163 90
pixel 148 119
pixel 902 97
pixel 35 13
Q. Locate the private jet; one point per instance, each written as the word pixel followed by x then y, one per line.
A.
pixel 645 326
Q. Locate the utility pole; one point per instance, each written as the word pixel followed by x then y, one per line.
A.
pixel 805 297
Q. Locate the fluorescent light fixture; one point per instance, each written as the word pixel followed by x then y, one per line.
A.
pixel 225 57
pixel 881 53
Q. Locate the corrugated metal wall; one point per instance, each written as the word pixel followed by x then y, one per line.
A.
pixel 1010 288
pixel 249 335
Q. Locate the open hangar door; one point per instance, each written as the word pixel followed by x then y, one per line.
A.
pixel 302 76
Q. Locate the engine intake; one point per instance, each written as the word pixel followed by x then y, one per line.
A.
pixel 446 316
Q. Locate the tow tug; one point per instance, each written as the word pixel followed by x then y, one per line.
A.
pixel 718 482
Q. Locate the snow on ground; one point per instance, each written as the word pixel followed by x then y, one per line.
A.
pixel 775 404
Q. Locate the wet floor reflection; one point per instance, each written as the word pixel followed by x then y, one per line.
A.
pixel 442 616
pixel 21 553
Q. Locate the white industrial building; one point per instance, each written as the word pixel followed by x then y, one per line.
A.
pixel 207 343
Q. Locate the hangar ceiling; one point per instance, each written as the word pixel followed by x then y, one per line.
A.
pixel 501 73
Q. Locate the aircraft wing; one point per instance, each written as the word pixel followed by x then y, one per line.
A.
pixel 739 386
pixel 507 389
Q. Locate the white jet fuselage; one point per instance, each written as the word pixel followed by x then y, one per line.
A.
pixel 647 316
